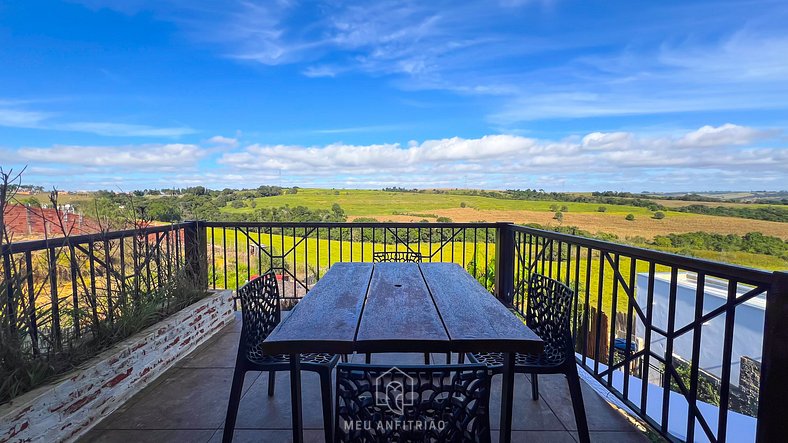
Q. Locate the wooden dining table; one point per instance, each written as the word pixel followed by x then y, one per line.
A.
pixel 401 307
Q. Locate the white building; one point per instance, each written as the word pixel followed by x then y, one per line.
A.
pixel 748 321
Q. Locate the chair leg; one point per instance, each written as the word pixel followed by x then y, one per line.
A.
pixel 535 386
pixel 426 358
pixel 328 413
pixel 368 358
pixel 271 383
pixel 232 406
pixel 577 404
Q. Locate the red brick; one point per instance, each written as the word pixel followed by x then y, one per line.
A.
pixel 118 378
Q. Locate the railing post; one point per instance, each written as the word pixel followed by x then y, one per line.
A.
pixel 504 262
pixel 195 243
pixel 773 392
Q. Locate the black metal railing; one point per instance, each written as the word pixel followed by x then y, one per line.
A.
pixel 679 341
pixel 660 330
pixel 58 291
pixel 300 253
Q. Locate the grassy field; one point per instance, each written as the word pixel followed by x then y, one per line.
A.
pixel 404 206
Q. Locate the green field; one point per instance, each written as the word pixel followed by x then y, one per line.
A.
pixel 367 202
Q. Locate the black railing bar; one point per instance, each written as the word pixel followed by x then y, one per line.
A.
pixel 33 330
pixel 630 317
pixel 736 301
pixel 727 354
pixel 647 337
pixel 695 358
pixel 723 270
pixel 59 242
pixel 220 224
pixel 613 314
pixel 674 276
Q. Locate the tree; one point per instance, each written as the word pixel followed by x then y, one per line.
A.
pixel 659 215
pixel 31 202
pixel 601 209
pixel 559 216
pixel 564 208
pixel 553 208
pixel 630 217
pixel 338 212
pixel 237 204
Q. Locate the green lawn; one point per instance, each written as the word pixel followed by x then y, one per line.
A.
pixel 367 202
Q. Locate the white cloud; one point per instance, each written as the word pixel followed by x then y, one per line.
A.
pixel 725 135
pixel 227 142
pixel 594 155
pixel 122 129
pixel 106 159
pixel 20 118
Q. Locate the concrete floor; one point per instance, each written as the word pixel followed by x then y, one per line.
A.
pixel 188 403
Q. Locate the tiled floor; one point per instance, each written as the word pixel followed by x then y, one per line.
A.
pixel 188 404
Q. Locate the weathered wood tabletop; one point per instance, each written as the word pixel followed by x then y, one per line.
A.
pixel 400 307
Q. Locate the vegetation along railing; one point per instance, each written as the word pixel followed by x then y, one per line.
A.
pixel 694 348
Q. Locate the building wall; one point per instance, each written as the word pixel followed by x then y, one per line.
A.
pixel 748 329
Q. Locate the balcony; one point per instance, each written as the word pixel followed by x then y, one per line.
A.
pixel 188 402
pixel 687 349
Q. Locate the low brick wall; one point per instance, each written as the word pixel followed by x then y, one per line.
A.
pixel 70 406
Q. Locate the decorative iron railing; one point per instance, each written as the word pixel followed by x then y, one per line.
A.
pixel 694 348
pixel 300 253
pixel 61 290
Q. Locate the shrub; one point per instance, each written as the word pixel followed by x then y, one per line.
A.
pixel 559 216
pixel 601 209
pixel 659 215
pixel 463 204
pixel 630 217
pixel 237 204
pixel 553 208
pixel 564 208
pixel 443 220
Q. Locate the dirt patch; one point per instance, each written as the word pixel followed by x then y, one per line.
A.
pixel 612 223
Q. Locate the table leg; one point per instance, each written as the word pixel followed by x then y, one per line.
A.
pixel 507 398
pixel 295 398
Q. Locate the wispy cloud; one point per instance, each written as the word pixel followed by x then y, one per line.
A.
pixel 16 117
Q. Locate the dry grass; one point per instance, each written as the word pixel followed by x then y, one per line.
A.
pixel 614 223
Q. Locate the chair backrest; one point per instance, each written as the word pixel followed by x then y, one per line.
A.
pixel 431 403
pixel 260 311
pixel 547 314
pixel 396 256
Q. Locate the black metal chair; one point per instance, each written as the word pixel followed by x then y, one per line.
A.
pixel 261 313
pixel 401 257
pixel 547 314
pixel 431 403
pixel 397 256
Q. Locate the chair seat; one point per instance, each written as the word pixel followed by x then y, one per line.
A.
pixel 323 359
pixel 494 360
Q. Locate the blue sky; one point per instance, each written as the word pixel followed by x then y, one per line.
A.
pixel 553 94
